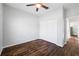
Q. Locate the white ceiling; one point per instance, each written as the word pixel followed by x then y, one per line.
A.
pixel 32 10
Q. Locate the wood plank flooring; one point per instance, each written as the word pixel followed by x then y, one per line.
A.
pixel 41 47
pixel 72 47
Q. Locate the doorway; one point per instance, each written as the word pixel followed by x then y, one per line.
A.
pixel 72 28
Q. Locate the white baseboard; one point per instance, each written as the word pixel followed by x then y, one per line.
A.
pixel 16 44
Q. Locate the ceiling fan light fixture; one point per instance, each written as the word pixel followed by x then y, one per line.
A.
pixel 38 5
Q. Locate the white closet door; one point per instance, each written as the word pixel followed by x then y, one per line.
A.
pixel 48 30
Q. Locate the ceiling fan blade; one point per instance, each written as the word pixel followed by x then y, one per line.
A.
pixel 30 5
pixel 44 6
pixel 37 9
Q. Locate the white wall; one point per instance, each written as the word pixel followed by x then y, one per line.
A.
pixel 18 27
pixel 60 27
pixel 52 27
pixel 1 35
pixel 67 30
pixel 74 11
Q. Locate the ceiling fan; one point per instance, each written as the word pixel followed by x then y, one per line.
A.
pixel 38 5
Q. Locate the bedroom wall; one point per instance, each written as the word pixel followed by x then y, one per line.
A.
pixel 52 27
pixel 74 11
pixel 1 35
pixel 18 27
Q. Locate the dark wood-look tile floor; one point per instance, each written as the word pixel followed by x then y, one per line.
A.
pixel 42 48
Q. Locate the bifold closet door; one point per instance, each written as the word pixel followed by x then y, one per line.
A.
pixel 48 30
